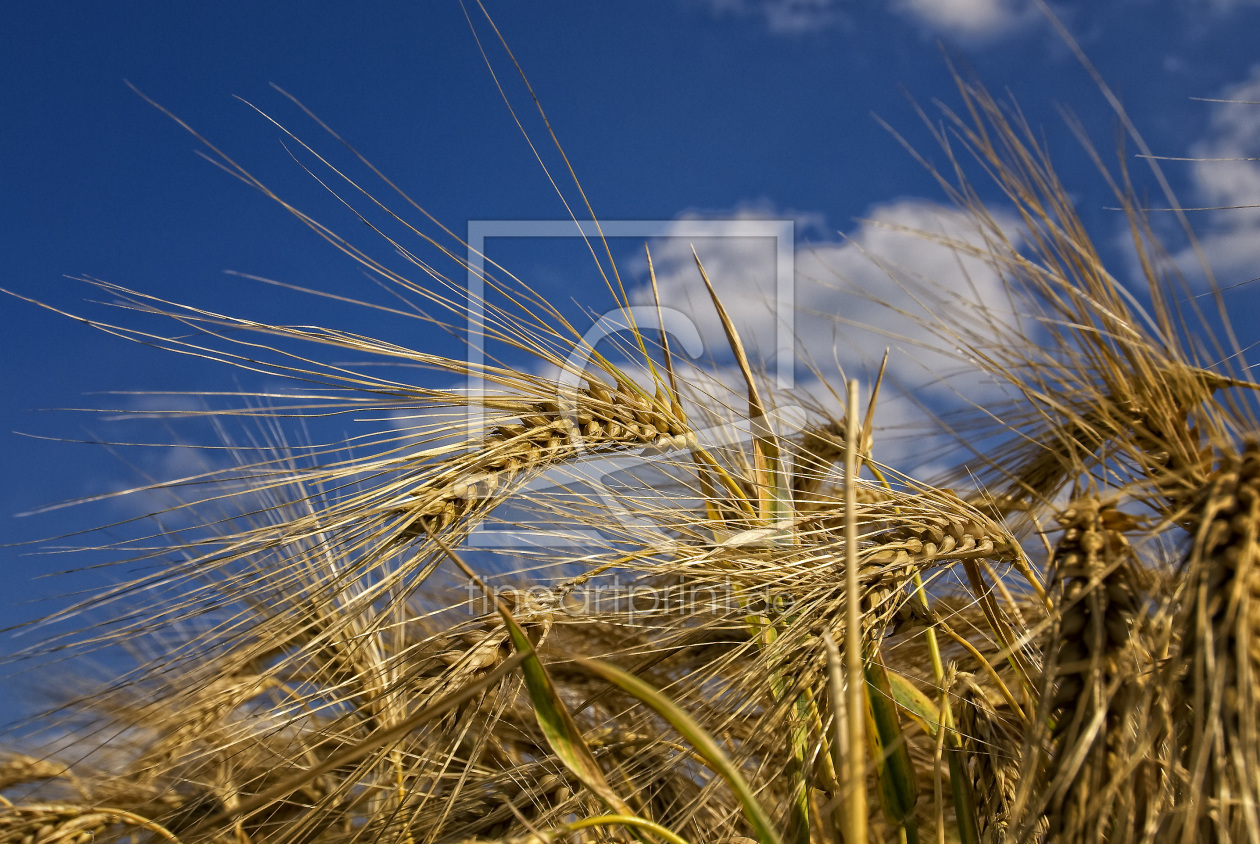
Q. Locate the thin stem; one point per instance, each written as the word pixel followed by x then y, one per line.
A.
pixel 855 683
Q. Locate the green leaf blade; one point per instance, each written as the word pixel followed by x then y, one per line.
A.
pixel 699 738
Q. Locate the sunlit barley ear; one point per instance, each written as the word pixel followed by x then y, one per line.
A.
pixel 992 742
pixel 1093 676
pixel 1098 382
pixel 63 823
pixel 599 418
pixel 18 769
pixel 1219 713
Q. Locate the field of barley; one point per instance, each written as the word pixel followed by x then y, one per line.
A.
pixel 721 617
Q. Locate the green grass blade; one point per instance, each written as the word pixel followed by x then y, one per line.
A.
pixel 898 786
pixel 964 800
pixel 917 705
pixel 798 750
pixel 557 725
pixel 703 743
pixel 927 715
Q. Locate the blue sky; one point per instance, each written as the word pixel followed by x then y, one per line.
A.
pixel 668 110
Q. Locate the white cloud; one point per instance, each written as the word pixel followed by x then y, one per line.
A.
pixel 881 276
pixel 968 20
pixel 782 17
pixel 886 287
pixel 972 20
pixel 881 287
pixel 1228 179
